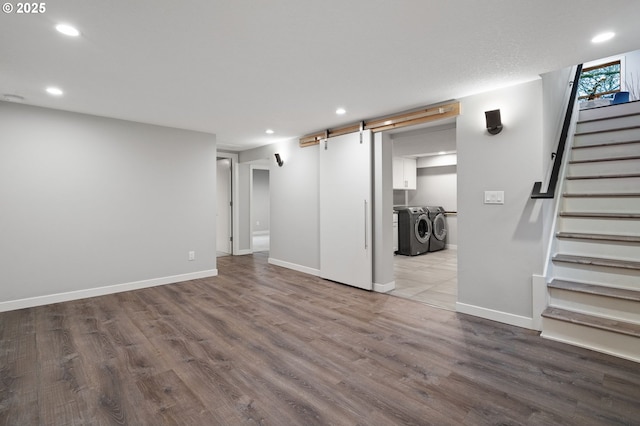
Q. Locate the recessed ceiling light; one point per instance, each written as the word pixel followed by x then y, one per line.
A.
pixel 67 30
pixel 603 37
pixel 341 111
pixel 269 132
pixel 54 91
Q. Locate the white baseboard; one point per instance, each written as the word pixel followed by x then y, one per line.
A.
pixel 295 267
pixel 384 288
pixel 452 246
pixel 30 302
pixel 499 316
pixel 243 252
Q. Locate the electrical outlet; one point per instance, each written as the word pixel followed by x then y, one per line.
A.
pixel 192 255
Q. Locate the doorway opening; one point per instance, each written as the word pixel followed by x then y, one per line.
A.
pixel 260 209
pixel 427 158
pixel 224 205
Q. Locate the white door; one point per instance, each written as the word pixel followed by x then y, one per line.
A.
pixel 223 213
pixel 345 210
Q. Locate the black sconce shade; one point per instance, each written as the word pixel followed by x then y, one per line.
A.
pixel 279 160
pixel 494 122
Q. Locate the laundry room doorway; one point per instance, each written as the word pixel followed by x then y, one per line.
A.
pixel 425 186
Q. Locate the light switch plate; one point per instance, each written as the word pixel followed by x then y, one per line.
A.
pixel 494 197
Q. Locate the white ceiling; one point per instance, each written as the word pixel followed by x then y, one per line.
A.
pixel 238 67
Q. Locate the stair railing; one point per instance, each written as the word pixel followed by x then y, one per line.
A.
pixel 559 154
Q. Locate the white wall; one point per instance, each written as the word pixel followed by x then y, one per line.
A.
pixel 500 246
pixel 556 91
pixel 244 207
pixel 89 202
pixel 294 204
pixel 632 75
pixel 260 201
pixel 383 273
pixel 423 141
pixel 438 186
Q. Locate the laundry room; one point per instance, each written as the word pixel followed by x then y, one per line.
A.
pixel 425 213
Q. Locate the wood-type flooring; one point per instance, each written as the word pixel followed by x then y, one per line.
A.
pixel 260 344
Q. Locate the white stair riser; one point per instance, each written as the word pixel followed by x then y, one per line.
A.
pixel 590 248
pixel 604 167
pixel 601 306
pixel 620 345
pixel 603 205
pixel 610 111
pixel 614 277
pixel 613 151
pixel 607 137
pixel 585 186
pixel 600 226
pixel 609 124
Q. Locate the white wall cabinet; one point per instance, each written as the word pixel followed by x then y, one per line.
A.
pixel 405 173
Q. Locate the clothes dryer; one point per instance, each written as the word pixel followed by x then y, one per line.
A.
pixel 414 231
pixel 437 217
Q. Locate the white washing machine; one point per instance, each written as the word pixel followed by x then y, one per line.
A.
pixel 438 219
pixel 414 231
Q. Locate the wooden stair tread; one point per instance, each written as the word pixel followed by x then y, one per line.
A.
pixel 593 120
pixel 597 261
pixel 589 215
pixel 601 160
pixel 599 290
pixel 601 195
pixel 617 129
pixel 618 176
pixel 607 324
pixel 604 144
pixel 600 237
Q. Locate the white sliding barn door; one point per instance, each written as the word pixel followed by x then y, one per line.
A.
pixel 345 210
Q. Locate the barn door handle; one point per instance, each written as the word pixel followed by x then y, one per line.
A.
pixel 366 242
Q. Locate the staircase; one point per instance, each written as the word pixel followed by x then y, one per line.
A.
pixel 594 293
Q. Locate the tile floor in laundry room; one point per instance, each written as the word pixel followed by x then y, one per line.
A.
pixel 430 278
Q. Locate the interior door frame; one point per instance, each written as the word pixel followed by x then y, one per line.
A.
pixel 234 198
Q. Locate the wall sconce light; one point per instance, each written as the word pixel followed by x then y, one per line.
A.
pixel 494 123
pixel 279 160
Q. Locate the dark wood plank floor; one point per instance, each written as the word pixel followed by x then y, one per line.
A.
pixel 264 345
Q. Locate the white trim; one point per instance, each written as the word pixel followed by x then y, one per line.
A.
pixel 384 288
pixel 243 252
pixel 259 233
pixel 451 246
pixel 539 296
pixel 101 291
pixel 499 316
pixel 235 229
pixel 295 267
pixel 611 343
pixel 579 344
